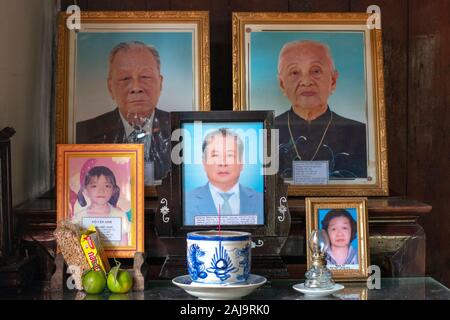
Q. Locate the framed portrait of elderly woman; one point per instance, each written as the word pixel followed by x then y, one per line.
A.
pixel 322 74
pixel 102 185
pixel 121 74
pixel 345 223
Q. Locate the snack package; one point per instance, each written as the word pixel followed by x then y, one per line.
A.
pixel 67 237
pixel 93 250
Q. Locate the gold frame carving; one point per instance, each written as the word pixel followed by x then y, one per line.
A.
pixel 169 18
pixel 312 206
pixel 240 21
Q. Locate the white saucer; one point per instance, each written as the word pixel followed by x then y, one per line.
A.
pixel 317 292
pixel 219 291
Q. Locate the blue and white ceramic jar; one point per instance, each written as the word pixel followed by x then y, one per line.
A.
pixel 219 258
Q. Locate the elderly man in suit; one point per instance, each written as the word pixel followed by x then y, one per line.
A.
pixel 222 161
pixel 135 83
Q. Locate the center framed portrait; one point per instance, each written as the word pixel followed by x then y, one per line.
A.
pixel 226 184
pixel 224 177
pixel 221 170
pixel 102 185
pixel 118 74
pixel 322 74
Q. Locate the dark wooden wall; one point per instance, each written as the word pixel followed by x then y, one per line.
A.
pixel 416 40
pixel 428 124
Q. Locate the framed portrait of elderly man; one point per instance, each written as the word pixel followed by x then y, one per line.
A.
pixel 223 170
pixel 345 222
pixel 102 185
pixel 122 73
pixel 226 184
pixel 224 176
pixel 322 74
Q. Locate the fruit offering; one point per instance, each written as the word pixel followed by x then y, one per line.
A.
pixel 119 280
pixel 94 282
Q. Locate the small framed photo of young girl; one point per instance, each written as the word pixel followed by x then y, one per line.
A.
pixel 345 221
pixel 102 185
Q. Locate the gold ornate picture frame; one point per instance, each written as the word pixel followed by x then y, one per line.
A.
pixel 358 99
pixel 345 221
pixel 102 184
pixel 83 91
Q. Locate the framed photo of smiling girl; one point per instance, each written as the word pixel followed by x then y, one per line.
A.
pixel 102 185
pixel 345 222
pixel 322 74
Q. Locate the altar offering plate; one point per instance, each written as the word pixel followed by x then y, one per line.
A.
pixel 317 292
pixel 229 291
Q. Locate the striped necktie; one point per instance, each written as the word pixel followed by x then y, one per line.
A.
pixel 136 135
